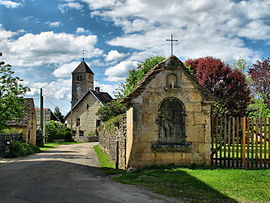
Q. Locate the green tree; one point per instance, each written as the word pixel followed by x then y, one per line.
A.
pixel 135 76
pixel 58 114
pixel 11 95
pixel 57 130
pixel 111 110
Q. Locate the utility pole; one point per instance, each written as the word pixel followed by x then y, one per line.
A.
pixel 41 117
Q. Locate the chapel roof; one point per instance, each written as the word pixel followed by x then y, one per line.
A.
pixel 170 62
pixel 83 68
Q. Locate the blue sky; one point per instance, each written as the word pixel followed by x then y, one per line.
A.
pixel 43 40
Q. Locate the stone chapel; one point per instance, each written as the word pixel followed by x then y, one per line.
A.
pixel 85 102
pixel 168 118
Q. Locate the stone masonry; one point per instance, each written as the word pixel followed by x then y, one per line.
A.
pixel 144 145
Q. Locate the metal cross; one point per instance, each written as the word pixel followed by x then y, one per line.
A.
pixel 171 40
pixel 83 54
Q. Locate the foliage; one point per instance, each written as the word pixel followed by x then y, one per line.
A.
pixel 135 76
pixel 260 75
pixel 228 85
pixel 113 123
pixel 105 163
pixel 57 130
pixel 11 91
pixel 257 108
pixel 91 134
pixel 11 131
pixel 110 110
pixel 204 185
pixel 58 114
pixel 115 108
pixel 18 149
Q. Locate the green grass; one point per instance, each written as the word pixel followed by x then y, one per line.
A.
pixel 55 144
pixel 105 163
pixel 204 185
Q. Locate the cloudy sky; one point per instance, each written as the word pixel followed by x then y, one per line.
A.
pixel 43 40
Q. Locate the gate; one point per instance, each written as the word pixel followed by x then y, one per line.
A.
pixel 240 142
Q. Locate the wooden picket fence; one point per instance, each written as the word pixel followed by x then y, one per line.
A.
pixel 240 142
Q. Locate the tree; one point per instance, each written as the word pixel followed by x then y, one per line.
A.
pixel 115 108
pixel 260 75
pixel 135 76
pixel 11 92
pixel 228 85
pixel 58 114
pixel 111 110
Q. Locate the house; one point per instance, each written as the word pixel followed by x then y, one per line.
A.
pixel 28 124
pixel 48 115
pixel 86 100
pixel 168 118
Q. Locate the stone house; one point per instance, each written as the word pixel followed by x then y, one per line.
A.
pixel 168 118
pixel 82 118
pixel 28 124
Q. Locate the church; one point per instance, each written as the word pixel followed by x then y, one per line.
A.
pixel 85 102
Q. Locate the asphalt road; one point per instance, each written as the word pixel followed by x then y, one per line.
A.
pixel 68 173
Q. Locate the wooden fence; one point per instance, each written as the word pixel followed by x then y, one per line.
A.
pixel 240 142
pixel 8 137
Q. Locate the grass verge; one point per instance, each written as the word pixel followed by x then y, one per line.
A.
pixel 204 185
pixel 55 144
pixel 105 163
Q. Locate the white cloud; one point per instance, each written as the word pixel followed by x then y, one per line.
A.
pixel 66 69
pixel 69 5
pixel 81 30
pixel 46 48
pixel 110 88
pixel 59 89
pixel 119 72
pixel 54 24
pixel 114 55
pixel 9 4
pixel 202 27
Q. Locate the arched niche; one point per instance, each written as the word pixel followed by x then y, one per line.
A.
pixel 172 80
pixel 171 121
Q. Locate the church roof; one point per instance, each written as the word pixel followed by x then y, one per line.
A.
pixel 169 63
pixel 102 97
pixel 83 68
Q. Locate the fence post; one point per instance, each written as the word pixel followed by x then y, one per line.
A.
pixel 244 142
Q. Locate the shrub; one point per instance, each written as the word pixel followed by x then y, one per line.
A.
pixel 111 110
pixel 11 131
pixel 57 130
pixel 18 149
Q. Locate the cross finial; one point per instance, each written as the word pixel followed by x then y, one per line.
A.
pixel 171 40
pixel 83 54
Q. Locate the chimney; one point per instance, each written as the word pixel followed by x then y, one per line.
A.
pixel 97 89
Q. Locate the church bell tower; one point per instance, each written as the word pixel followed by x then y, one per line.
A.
pixel 82 81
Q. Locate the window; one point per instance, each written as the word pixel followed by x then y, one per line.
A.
pixel 81 133
pixel 98 123
pixel 78 122
pixel 171 121
pixel 87 106
pixel 79 77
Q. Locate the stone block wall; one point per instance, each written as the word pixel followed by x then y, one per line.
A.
pixel 143 131
pixel 107 139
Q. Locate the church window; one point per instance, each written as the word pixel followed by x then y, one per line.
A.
pixel 171 121
pixel 79 77
pixel 78 122
pixel 98 123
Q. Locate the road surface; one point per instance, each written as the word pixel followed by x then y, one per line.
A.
pixel 68 173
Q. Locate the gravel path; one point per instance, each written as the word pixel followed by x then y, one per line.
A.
pixel 68 173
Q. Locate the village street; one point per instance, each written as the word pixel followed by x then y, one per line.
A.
pixel 68 173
